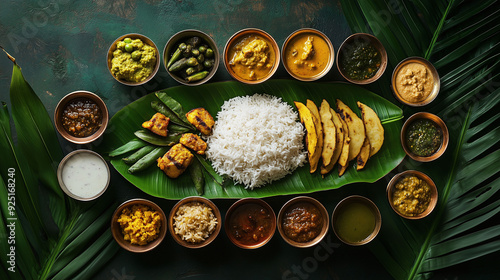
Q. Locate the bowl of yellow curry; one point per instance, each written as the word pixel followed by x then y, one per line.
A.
pixel 307 54
pixel 412 194
pixel 133 59
pixel 251 56
pixel 139 225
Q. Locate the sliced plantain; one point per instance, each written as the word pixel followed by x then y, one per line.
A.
pixel 329 132
pixel 356 129
pixel 319 132
pixel 373 128
pixel 364 155
pixel 344 154
pixel 306 118
pixel 339 142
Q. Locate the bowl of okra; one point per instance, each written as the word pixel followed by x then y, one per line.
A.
pixel 191 57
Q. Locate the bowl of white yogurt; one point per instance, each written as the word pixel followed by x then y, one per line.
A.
pixel 83 175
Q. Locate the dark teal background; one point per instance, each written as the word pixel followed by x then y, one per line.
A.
pixel 61 46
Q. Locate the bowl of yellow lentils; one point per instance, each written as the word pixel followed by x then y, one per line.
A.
pixel 139 225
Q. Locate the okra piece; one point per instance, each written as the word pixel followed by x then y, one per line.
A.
pixel 128 147
pixel 194 41
pixel 195 52
pixel 175 57
pixel 209 53
pixel 178 65
pixel 197 76
pixel 208 63
pixel 187 51
pixel 182 46
pixel 190 71
pixel 196 172
pixel 147 160
pixel 133 158
pixel 192 61
pixel 202 49
pixel 200 58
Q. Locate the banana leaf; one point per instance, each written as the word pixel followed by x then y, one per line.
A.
pixel 66 241
pixel 462 40
pixel 154 182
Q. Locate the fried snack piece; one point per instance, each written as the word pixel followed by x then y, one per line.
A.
pixel 175 161
pixel 319 132
pixel 201 119
pixel 356 129
pixel 306 118
pixel 364 154
pixel 158 124
pixel 193 142
pixel 373 127
pixel 339 142
pixel 329 131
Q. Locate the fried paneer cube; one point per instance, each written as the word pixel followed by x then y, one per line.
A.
pixel 193 142
pixel 201 119
pixel 175 161
pixel 157 124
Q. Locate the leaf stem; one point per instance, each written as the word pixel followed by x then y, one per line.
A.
pixel 446 191
pixel 438 31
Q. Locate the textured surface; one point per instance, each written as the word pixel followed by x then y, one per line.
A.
pixel 61 46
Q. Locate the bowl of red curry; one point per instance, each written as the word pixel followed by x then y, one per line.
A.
pixel 250 223
pixel 81 117
pixel 303 222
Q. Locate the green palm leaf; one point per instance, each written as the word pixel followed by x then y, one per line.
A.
pixel 462 39
pixel 154 182
pixel 82 236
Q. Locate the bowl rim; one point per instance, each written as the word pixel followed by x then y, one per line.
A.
pixel 215 211
pixel 238 35
pixel 315 203
pixel 377 44
pixel 144 39
pixel 331 58
pixel 420 175
pixel 83 94
pixel 61 181
pixel 186 33
pixel 371 205
pixel 116 229
pixel 240 202
pixel 435 75
pixel 438 122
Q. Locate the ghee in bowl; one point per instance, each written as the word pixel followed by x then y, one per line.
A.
pixel 83 175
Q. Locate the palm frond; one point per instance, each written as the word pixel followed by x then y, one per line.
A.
pixel 81 235
pixel 462 40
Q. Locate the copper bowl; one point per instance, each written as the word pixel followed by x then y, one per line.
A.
pixel 291 38
pixel 145 40
pixel 436 84
pixel 176 39
pixel 117 232
pixel 307 201
pixel 422 176
pixel 238 208
pixel 80 95
pixel 439 123
pixel 235 39
pixel 372 40
pixel 349 201
pixel 212 236
pixel 63 183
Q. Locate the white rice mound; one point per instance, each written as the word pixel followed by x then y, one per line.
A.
pixel 194 222
pixel 256 140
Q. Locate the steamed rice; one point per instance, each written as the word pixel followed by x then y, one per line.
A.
pixel 256 140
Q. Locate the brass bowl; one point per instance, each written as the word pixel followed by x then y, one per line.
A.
pixel 436 85
pixel 349 201
pixel 438 122
pixel 62 181
pixel 145 40
pixel 83 95
pixel 363 37
pixel 292 203
pixel 422 176
pixel 176 39
pixel 235 39
pixel 117 232
pixel 305 31
pixel 212 236
pixel 234 209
